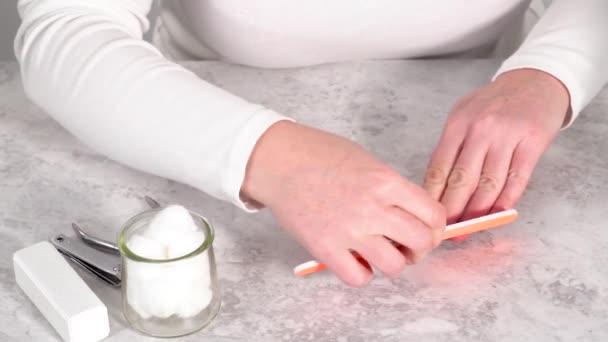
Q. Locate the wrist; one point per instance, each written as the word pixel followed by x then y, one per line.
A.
pixel 552 91
pixel 270 159
pixel 290 156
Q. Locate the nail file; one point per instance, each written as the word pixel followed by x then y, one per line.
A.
pixel 451 231
pixel 60 294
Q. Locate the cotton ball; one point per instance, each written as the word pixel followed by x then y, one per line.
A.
pixel 135 303
pixel 178 292
pixel 143 278
pixel 169 223
pixel 185 277
pixel 185 243
pixel 198 301
pixel 190 277
pixel 143 282
pixel 146 272
pixel 146 247
pixel 134 296
pixel 157 298
pixel 197 270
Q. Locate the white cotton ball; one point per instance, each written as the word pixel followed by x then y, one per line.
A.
pixel 190 276
pixel 185 243
pixel 198 301
pixel 157 298
pixel 147 272
pixel 135 303
pixel 180 293
pixel 147 248
pixel 199 270
pixel 134 297
pixel 144 282
pixel 169 223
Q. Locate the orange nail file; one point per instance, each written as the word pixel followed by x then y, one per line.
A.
pixel 451 231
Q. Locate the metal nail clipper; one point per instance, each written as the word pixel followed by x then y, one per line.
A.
pixel 98 256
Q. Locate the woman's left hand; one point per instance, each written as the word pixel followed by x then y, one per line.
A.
pixel 492 140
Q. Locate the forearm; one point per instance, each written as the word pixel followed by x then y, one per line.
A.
pixel 85 63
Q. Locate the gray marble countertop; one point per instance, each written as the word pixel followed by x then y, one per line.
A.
pixel 543 278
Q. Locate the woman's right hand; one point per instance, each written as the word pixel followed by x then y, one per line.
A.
pixel 334 197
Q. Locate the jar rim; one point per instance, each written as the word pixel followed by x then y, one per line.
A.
pixel 126 252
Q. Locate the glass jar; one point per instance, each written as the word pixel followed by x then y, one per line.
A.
pixel 169 297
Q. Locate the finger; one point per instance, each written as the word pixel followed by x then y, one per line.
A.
pixel 344 265
pixel 463 178
pixel 412 199
pixel 381 253
pixel 411 233
pixel 491 181
pixel 524 160
pixel 399 222
pixel 442 159
pixel 460 238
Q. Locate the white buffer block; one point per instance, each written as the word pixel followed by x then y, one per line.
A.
pixel 60 294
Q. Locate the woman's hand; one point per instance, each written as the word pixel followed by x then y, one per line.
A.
pixel 334 197
pixel 492 141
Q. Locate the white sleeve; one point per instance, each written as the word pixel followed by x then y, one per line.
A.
pixel 85 63
pixel 569 42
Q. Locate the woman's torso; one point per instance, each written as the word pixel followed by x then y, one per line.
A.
pixel 279 33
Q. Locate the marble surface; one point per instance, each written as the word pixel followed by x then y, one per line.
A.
pixel 543 278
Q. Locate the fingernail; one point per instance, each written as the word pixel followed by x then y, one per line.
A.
pixel 437 238
pixel 459 238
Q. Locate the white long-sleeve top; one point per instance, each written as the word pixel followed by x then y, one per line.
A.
pixel 86 64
